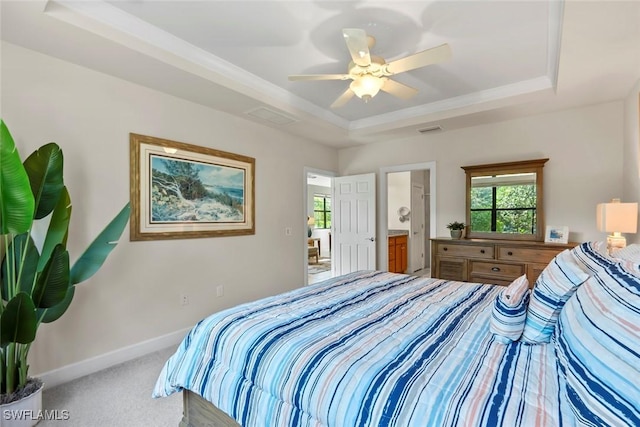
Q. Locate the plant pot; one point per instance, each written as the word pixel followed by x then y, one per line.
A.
pixel 456 234
pixel 24 412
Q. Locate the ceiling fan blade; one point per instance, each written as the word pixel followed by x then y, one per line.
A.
pixel 358 46
pixel 420 59
pixel 398 89
pixel 343 99
pixel 320 77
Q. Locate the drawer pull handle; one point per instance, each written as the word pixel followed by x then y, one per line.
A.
pixel 495 269
pixel 509 253
pixel 481 251
pixel 445 249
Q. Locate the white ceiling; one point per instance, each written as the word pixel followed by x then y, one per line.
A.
pixel 510 58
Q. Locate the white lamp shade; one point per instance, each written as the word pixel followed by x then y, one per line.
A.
pixel 617 217
pixel 366 86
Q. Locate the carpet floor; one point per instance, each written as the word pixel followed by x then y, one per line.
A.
pixel 116 397
pixel 324 264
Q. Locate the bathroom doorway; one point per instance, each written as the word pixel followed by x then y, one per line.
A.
pixel 408 189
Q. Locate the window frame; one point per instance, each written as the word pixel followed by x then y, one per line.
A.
pixel 323 211
pixel 494 210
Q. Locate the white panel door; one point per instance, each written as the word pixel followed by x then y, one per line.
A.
pixel 354 223
pixel 417 228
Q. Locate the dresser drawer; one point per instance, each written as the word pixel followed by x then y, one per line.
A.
pixel 496 269
pixel 533 255
pixel 465 251
pixel 491 280
pixel 451 269
pixel 533 271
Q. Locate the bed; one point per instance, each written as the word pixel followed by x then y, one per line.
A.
pixel 373 348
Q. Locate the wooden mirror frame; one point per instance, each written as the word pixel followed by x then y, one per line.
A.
pixel 526 166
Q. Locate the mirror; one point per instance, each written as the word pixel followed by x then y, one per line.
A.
pixel 504 200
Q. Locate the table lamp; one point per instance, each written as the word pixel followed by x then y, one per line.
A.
pixel 617 218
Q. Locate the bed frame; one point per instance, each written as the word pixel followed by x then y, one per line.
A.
pixel 198 412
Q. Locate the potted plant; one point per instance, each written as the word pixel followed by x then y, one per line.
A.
pixel 456 229
pixel 36 280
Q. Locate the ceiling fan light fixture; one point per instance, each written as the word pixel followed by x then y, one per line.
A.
pixel 366 87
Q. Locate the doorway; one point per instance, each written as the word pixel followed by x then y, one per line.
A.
pixel 411 187
pixel 318 239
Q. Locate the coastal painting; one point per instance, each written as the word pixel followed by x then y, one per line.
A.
pixel 180 190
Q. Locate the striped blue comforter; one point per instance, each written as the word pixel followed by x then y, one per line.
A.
pixel 367 349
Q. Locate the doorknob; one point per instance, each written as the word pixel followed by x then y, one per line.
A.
pixel 415 232
pixel 372 239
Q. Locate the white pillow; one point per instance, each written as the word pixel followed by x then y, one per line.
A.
pixel 628 253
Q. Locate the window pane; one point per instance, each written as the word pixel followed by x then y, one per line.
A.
pixel 517 222
pixel 318 203
pixel 481 221
pixel 322 211
pixel 481 198
pixel 516 196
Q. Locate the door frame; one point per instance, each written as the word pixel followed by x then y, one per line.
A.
pixel 305 195
pixel 383 251
pixel 412 239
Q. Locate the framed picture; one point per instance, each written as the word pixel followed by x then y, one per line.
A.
pixel 181 191
pixel 555 234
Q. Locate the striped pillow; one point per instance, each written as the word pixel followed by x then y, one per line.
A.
pixel 592 257
pixel 598 348
pixel 510 311
pixel 557 282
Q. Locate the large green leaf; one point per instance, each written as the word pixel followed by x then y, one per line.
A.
pixel 48 315
pixel 16 199
pixel 19 266
pixel 18 321
pixel 44 168
pixel 95 255
pixel 58 227
pixel 52 284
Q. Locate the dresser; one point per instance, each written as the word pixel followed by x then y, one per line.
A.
pixel 398 253
pixel 491 261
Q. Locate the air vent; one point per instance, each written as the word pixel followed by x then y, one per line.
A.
pixel 430 129
pixel 271 116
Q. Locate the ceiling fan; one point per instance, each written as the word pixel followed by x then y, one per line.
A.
pixel 370 73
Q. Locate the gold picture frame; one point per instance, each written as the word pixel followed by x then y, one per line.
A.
pixel 181 191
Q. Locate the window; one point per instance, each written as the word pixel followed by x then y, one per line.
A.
pixel 504 205
pixel 322 210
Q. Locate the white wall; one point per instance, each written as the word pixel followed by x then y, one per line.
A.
pixel 398 195
pixel 632 152
pixel 584 145
pixel 135 296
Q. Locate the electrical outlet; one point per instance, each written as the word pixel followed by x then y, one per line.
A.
pixel 219 290
pixel 184 299
pixel 287 231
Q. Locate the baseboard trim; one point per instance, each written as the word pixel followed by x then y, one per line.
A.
pixel 89 366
